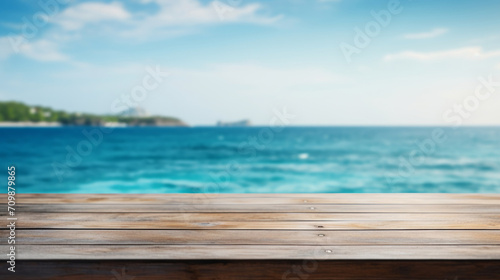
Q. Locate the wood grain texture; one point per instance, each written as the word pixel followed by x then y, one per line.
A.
pixel 260 208
pixel 266 225
pixel 256 227
pixel 257 221
pixel 248 237
pixel 253 252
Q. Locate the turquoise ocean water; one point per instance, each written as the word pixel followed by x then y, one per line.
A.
pixel 253 159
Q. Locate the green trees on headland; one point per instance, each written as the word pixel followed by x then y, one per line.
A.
pixel 18 112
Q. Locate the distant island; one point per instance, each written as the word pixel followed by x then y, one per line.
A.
pixel 19 114
pixel 241 123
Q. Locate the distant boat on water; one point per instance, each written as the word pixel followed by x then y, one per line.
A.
pixel 241 123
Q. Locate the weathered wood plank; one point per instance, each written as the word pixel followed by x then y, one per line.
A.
pixel 253 237
pixel 257 220
pixel 252 252
pixel 258 208
pixel 255 270
pixel 396 198
pixel 249 216
pixel 261 226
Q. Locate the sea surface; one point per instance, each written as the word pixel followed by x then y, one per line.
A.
pixel 253 159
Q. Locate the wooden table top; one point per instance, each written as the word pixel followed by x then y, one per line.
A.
pixel 255 226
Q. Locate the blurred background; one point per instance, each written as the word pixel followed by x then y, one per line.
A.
pixel 251 96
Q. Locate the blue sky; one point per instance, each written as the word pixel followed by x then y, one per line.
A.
pixel 236 59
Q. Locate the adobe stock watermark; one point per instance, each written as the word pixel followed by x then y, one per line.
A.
pixel 150 82
pixel 456 115
pixel 417 156
pixel 225 7
pixel 464 110
pixel 94 136
pixel 363 36
pixel 31 26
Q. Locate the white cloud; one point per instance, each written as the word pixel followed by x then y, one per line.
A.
pixel 174 17
pixel 177 16
pixel 41 50
pixel 76 17
pixel 189 12
pixel 426 35
pixel 72 19
pixel 473 53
